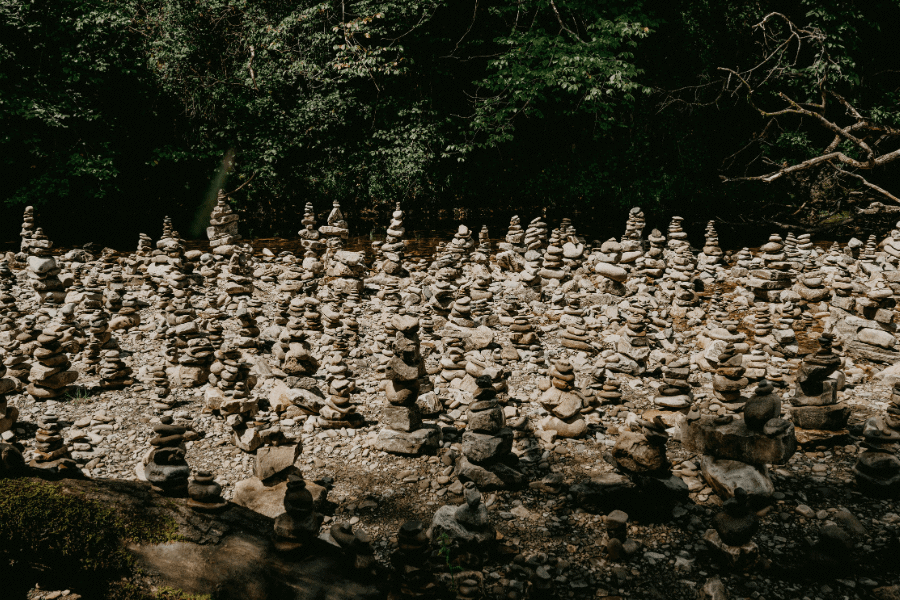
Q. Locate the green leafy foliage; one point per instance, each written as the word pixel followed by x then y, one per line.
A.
pixel 126 108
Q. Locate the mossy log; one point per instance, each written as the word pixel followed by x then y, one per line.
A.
pixel 113 538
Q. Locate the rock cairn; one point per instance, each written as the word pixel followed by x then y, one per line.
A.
pixel 114 373
pixel 736 452
pixel 8 414
pixel 394 246
pixel 486 458
pixel 564 404
pixel 50 450
pixel 675 392
pixel 165 467
pixel 877 469
pixel 815 404
pixel 403 432
pixel 338 412
pixel 299 524
pixel 729 379
pixel 50 376
pixel 27 232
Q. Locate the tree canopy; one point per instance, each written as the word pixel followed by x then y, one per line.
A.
pixel 120 111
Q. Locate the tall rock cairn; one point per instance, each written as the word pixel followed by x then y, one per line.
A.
pixel 223 227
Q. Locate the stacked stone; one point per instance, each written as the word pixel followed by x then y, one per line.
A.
pixel 535 239
pixel 487 458
pixel 27 232
pixel 552 266
pixel 461 313
pixel 868 253
pixel 633 342
pixel 394 246
pixel 248 333
pixel 842 285
pixel 815 404
pixel 484 245
pixel 238 283
pixel 453 363
pixel 634 226
pixel 331 317
pixel 675 392
pixel 127 315
pixel 811 283
pixel 8 414
pixel 299 524
pixel 512 249
pixel 347 270
pixel 50 450
pixel 607 265
pixel 15 360
pixel 309 233
pixel 640 452
pixel 768 282
pixel 575 335
pixel 677 238
pixel 50 376
pixel 44 275
pixel 145 245
pixel 81 449
pixel 652 263
pixel 442 296
pixel 312 319
pixel 157 383
pixel 792 253
pixel 712 253
pixel 681 266
pixel 610 392
pixel 755 363
pixel 223 227
pixel 390 297
pixel 481 296
pixel 9 311
pixel 335 231
pixel 190 355
pixel 744 259
pixel 402 432
pixel 114 373
pixel 877 469
pixel 338 412
pixel 562 402
pixel 729 379
pixel 165 467
pixel 804 244
pixel 736 452
pixel 762 323
pixel 834 257
pixel 229 375
pixel 205 494
pixel 522 334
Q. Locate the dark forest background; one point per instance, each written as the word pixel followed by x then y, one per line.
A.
pixel 114 113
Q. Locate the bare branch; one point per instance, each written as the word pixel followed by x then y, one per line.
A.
pixel 872 186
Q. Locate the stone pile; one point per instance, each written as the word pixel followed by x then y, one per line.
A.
pixel 50 450
pixel 564 404
pixel 814 403
pixel 403 432
pixel 675 391
pixel 8 414
pixel 487 458
pixel 338 412
pixel 114 373
pixel 165 467
pixel 735 451
pixel 50 376
pixel 299 524
pixel 877 469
